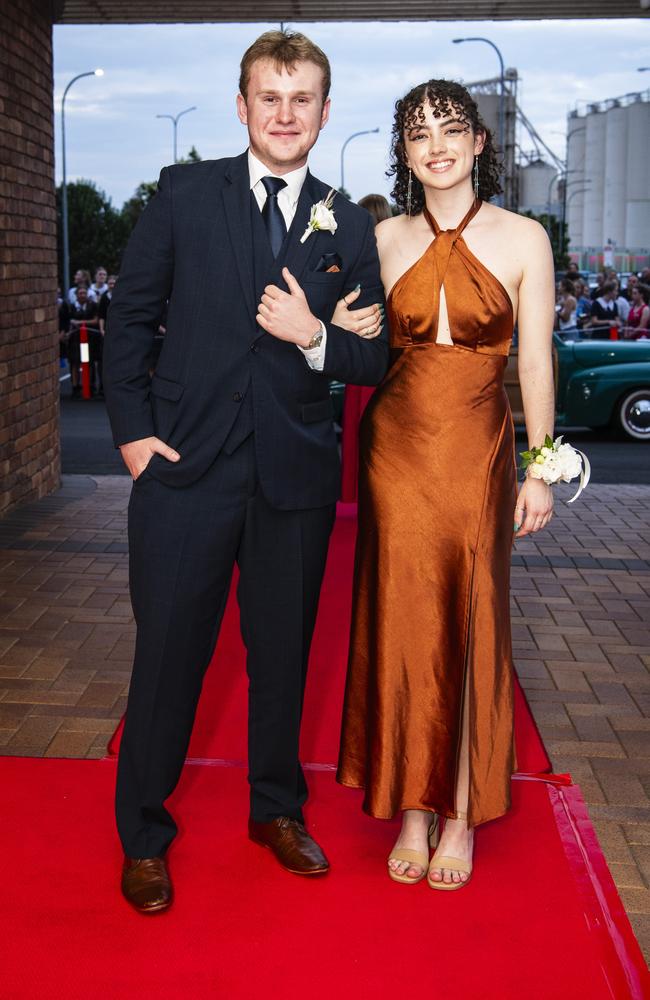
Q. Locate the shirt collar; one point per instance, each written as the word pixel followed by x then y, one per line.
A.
pixel 294 179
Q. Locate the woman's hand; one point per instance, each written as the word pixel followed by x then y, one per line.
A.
pixel 366 323
pixel 534 507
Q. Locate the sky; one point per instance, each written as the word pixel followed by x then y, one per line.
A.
pixel 114 138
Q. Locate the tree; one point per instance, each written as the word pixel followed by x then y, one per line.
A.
pixel 97 230
pixel 192 157
pixel 558 235
pixel 135 206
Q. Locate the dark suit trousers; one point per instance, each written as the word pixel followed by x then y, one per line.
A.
pixel 183 546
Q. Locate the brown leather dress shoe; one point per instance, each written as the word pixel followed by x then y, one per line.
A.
pixel 146 884
pixel 293 847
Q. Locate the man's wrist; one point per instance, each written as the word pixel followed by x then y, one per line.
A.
pixel 315 338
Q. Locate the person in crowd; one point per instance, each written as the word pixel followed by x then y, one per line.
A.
pixel 377 205
pixel 63 313
pixel 232 446
pixel 638 319
pixel 99 286
pixel 102 312
pixel 427 727
pixel 81 277
pixel 604 311
pixel 83 311
pixel 597 290
pixel 572 271
pixel 356 397
pixel 632 281
pixel 567 305
pixel 622 302
pixel 583 303
pixel 104 302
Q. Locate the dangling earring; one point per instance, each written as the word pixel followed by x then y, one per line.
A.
pixel 476 176
pixel 409 194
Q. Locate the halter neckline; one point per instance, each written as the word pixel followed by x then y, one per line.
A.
pixel 476 204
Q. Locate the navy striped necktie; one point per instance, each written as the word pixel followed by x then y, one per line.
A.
pixel 272 214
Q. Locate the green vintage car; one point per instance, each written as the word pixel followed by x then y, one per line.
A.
pixel 597 383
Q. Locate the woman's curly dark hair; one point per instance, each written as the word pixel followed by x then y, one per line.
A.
pixel 446 99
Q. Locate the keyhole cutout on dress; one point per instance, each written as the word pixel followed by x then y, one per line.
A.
pixel 443 331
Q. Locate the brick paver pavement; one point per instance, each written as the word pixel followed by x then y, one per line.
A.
pixel 581 626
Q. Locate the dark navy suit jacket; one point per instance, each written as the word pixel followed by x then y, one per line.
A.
pixel 194 247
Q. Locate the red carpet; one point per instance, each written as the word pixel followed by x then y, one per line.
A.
pixel 220 729
pixel 540 919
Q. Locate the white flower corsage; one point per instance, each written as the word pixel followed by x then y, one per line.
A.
pixel 555 462
pixel 321 217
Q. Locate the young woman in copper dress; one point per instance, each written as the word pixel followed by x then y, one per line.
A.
pixel 428 718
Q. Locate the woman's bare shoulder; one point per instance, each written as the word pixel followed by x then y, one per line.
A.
pixel 392 233
pixel 513 223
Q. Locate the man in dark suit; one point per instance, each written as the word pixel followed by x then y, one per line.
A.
pixel 232 447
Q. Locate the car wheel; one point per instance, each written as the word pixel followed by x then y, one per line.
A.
pixel 634 414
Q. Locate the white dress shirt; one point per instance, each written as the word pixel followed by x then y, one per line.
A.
pixel 287 203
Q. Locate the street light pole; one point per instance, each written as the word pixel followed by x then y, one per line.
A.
pixel 65 278
pixel 502 96
pixel 367 131
pixel 556 176
pixel 174 120
pixel 577 170
pixel 574 193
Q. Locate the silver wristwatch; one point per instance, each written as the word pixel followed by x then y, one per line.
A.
pixel 317 339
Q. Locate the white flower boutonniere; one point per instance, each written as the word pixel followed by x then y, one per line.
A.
pixel 321 217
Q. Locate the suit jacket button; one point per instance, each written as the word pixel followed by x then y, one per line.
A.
pixel 237 397
pixel 254 348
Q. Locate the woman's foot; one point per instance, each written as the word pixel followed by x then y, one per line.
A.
pixel 456 841
pixel 414 836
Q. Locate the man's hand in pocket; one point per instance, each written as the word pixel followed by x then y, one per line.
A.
pixel 136 455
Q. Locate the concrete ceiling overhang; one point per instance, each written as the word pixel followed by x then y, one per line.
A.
pixel 292 11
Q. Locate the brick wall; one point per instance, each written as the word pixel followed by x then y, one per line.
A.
pixel 29 386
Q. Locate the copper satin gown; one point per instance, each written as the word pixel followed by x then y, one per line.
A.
pixel 437 489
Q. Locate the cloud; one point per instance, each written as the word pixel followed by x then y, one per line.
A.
pixel 113 134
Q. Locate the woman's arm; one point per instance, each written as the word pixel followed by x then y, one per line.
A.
pixel 535 321
pixel 644 322
pixel 568 305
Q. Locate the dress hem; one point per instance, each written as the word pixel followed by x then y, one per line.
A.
pixel 423 807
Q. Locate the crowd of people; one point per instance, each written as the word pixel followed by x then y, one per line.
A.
pixel 605 309
pixel 595 312
pixel 86 304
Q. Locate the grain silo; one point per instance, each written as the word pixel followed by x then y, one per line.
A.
pixel 537 187
pixel 637 195
pixel 614 200
pixel 594 174
pixel 608 203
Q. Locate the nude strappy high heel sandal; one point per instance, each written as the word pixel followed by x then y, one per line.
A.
pixel 415 857
pixel 441 861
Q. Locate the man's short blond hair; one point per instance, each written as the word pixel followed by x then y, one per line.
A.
pixel 285 49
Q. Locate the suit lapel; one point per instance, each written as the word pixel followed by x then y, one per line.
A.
pixel 236 200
